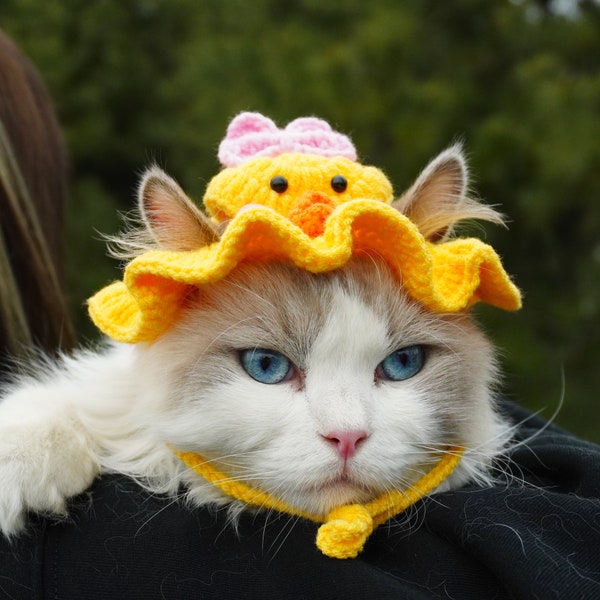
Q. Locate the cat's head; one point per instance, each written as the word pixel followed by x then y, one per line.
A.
pixel 321 389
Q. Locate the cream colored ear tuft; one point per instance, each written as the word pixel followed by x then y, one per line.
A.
pixel 438 199
pixel 171 218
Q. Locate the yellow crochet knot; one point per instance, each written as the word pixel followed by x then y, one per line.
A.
pixel 345 531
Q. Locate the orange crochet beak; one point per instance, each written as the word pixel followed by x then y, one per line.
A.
pixel 311 212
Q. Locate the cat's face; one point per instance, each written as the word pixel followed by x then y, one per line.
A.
pixel 321 389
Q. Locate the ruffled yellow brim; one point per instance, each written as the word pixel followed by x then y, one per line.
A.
pixel 445 278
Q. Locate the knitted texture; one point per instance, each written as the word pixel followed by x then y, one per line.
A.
pixel 346 528
pixel 292 207
pixel 444 278
pixel 233 188
pixel 251 134
pixel 311 212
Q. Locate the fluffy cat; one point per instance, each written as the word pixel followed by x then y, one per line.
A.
pixel 321 389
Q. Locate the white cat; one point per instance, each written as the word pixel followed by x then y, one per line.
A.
pixel 320 389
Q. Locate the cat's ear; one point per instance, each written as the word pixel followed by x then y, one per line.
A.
pixel 438 199
pixel 171 218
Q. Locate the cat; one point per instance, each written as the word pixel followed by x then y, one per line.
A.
pixel 320 389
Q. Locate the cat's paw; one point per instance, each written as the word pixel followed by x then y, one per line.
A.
pixel 44 460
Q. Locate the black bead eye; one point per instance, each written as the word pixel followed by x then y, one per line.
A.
pixel 279 184
pixel 339 183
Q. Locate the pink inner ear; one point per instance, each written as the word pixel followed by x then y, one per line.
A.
pixel 160 210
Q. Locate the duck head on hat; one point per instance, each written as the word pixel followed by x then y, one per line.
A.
pixel 299 194
pixel 303 171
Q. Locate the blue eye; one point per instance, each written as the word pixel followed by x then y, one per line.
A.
pixel 266 366
pixel 402 364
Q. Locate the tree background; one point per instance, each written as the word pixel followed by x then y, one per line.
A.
pixel 518 81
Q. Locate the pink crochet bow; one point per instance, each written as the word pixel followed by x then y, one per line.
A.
pixel 251 135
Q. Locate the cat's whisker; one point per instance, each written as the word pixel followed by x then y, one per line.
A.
pixel 173 500
pixel 282 536
pixel 229 459
pixel 547 422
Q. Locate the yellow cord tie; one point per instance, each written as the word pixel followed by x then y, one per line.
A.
pixel 346 528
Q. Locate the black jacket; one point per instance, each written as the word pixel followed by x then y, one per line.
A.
pixel 537 535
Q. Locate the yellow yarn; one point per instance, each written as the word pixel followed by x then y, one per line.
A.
pixel 312 225
pixel 346 528
pixel 345 531
pixel 444 278
pixel 236 187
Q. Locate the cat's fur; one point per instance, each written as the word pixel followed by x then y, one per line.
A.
pixel 124 408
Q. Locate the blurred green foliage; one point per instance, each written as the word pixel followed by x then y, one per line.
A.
pixel 136 81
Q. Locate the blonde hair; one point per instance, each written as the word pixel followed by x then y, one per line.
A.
pixel 33 309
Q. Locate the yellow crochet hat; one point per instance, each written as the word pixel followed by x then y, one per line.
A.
pixel 298 194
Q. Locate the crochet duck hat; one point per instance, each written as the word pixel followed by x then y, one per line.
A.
pixel 298 194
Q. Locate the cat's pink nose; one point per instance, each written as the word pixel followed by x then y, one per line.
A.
pixel 346 442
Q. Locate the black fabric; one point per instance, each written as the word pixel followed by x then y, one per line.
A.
pixel 538 539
